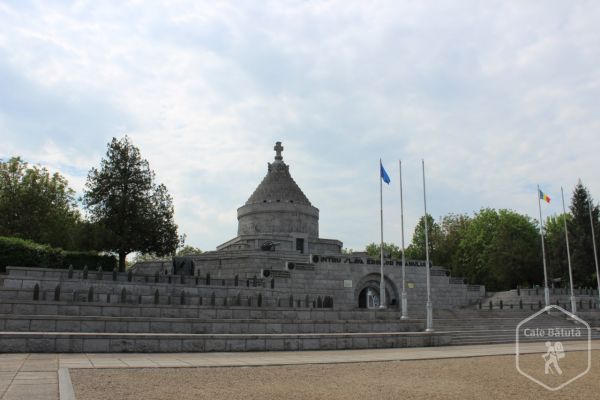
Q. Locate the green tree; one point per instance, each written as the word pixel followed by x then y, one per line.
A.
pixel 556 249
pixel 416 249
pixel 389 250
pixel 501 249
pixel 453 229
pixel 580 236
pixel 188 250
pixel 37 205
pixel 136 213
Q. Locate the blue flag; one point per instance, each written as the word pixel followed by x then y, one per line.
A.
pixel 384 174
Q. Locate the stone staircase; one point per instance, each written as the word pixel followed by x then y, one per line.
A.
pixel 125 313
pixel 469 327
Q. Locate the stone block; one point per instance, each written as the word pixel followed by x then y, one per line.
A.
pixel 68 345
pixel 70 310
pixel 256 328
pixel 213 344
pixel 17 325
pixel 130 311
pixel 24 309
pixel 236 345
pixel 92 326
pixel 274 328
pixel 309 343
pixel 92 345
pixel 49 309
pixel 150 312
pixel 122 345
pixel 68 326
pixel 146 345
pixel 160 327
pixel 137 326
pixel 111 311
pixel 41 345
pixel 13 345
pixel 327 344
pixel 170 345
pixel 116 326
pixel 273 344
pixel 90 310
pixel 360 342
pixel 42 325
pixel 344 343
pixel 200 327
pixel 192 345
pixel 255 345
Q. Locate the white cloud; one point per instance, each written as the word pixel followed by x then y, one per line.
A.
pixel 496 96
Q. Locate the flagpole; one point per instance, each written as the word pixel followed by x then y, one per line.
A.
pixel 594 243
pixel 404 297
pixel 546 289
pixel 381 282
pixel 429 306
pixel 573 304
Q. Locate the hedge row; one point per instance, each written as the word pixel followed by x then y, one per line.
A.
pixel 25 253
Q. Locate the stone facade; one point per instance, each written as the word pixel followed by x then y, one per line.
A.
pixel 278 237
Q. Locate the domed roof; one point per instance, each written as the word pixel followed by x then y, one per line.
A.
pixel 278 185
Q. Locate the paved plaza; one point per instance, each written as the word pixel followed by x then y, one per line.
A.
pixel 36 376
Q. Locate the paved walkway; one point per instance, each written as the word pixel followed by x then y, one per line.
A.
pixel 35 376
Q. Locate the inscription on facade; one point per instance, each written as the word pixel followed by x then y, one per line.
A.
pixel 364 260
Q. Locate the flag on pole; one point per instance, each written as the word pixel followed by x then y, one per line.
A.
pixel 544 196
pixel 384 174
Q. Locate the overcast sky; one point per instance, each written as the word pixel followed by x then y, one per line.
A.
pixel 497 96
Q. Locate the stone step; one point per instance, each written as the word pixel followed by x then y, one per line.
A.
pixel 25 342
pixel 204 312
pixel 192 325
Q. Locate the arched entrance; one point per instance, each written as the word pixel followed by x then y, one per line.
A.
pixel 369 298
pixel 367 294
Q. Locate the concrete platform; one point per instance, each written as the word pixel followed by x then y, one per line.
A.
pixel 36 376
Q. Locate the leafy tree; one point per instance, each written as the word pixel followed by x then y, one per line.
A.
pixel 500 249
pixel 556 249
pixel 580 236
pixel 37 205
pixel 122 197
pixel 188 250
pixel 416 249
pixel 389 250
pixel 453 229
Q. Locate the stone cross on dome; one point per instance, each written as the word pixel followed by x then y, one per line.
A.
pixel 278 149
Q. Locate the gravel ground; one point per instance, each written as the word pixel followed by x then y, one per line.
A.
pixel 460 378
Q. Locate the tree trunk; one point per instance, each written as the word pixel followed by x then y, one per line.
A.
pixel 122 256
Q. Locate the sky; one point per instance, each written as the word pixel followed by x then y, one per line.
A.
pixel 496 96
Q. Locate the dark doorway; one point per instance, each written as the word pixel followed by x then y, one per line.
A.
pixel 300 245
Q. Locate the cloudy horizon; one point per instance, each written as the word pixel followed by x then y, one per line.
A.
pixel 496 96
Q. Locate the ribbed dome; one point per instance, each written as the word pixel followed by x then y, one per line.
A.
pixel 278 185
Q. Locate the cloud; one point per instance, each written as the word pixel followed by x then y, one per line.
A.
pixel 495 96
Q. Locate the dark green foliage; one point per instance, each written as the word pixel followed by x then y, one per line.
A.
pixel 25 253
pixel 580 236
pixel 36 205
pixel 416 250
pixel 79 259
pixel 122 197
pixel 556 250
pixel 389 250
pixel 500 249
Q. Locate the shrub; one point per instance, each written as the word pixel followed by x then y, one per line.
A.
pixel 25 253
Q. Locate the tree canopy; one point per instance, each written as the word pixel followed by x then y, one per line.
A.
pixel 122 197
pixel 37 205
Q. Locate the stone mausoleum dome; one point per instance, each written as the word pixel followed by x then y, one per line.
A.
pixel 278 206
